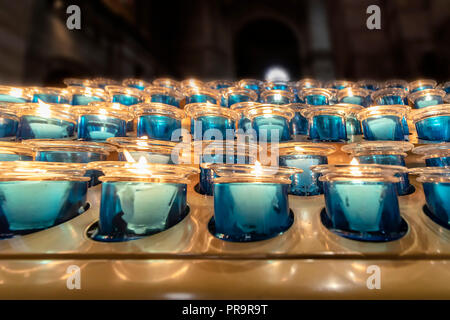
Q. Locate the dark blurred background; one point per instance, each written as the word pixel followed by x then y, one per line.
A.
pixel 223 39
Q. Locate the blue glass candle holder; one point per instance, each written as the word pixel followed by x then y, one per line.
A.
pixel 9 121
pixel 71 152
pixel 426 98
pixel 277 85
pixel 45 121
pixel 138 84
pixel 278 97
pixel 39 195
pixel 433 123
pixel 126 96
pixel 339 84
pixel 252 84
pixel 396 84
pixel 355 96
pixel 326 123
pixel 244 123
pixel 383 122
pixel 103 82
pixel 352 124
pixel 14 151
pixel 315 96
pixel 159 121
pixel 102 120
pixel 384 152
pixel 201 95
pixel 436 186
pixel 221 152
pixel 250 202
pixel 307 83
pixel 361 201
pixel 151 150
pixel 445 86
pixel 298 124
pixel 303 155
pixel 371 85
pixel 389 96
pixel 212 122
pixel 50 95
pixel 235 95
pixel 140 199
pixel 420 85
pixel 76 82
pixel 163 95
pixel 167 83
pixel 220 84
pixel 270 122
pixel 187 84
pixel 435 155
pixel 14 95
pixel 84 96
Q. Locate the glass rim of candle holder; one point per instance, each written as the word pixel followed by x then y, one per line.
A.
pixel 254 173
pixel 201 109
pixel 352 109
pixel 336 110
pixel 422 82
pixel 431 111
pixel 284 93
pixel 213 84
pixel 315 91
pixel 241 91
pixel 435 150
pixel 365 82
pixel 72 145
pixel 190 91
pixel 106 81
pixel 151 90
pixel 144 144
pixel 393 110
pixel 352 91
pixel 92 92
pixel 269 84
pixel 17 92
pixel 135 81
pixel 306 148
pixel 144 172
pixel 157 108
pixel 432 174
pixel 300 84
pixel 241 106
pixel 9 109
pixel 192 83
pixel 332 83
pixel 75 82
pixel 412 97
pixel 447 99
pixel 48 110
pixel 443 85
pixel 114 90
pixel 359 172
pixel 394 83
pixel 363 148
pixel 246 81
pixel 11 147
pixel 226 147
pixel 41 170
pixel 267 109
pixel 63 92
pixel 388 92
pixel 164 82
pixel 102 108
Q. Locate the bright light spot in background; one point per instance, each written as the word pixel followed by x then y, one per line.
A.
pixel 277 74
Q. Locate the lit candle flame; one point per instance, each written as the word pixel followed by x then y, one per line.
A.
pixel 355 171
pixel 43 109
pixel 257 170
pixel 128 156
pixel 16 92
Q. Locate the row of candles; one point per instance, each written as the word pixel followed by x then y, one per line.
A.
pixel 146 193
